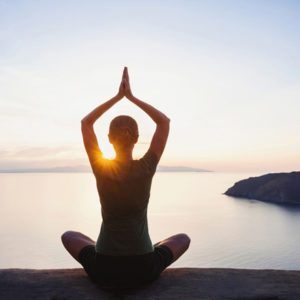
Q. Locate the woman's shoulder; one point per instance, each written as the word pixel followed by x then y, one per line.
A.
pixel 111 168
pixel 108 168
pixel 148 162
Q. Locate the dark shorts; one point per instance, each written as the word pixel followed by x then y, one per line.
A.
pixel 124 271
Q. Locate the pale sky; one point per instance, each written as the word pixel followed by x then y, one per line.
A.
pixel 227 74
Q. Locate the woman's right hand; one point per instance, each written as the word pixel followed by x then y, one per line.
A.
pixel 127 90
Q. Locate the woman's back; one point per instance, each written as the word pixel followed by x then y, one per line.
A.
pixel 124 192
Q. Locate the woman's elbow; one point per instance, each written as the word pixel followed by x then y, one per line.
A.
pixel 165 123
pixel 85 122
pixel 166 120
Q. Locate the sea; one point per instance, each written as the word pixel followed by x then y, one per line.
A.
pixel 225 232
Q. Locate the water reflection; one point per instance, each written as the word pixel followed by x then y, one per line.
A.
pixel 225 231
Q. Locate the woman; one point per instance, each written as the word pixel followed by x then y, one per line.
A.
pixel 123 255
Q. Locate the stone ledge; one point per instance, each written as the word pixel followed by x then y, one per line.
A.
pixel 174 283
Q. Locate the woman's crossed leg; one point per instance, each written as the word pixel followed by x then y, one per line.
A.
pixel 177 243
pixel 74 241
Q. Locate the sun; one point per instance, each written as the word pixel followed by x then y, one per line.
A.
pixel 108 151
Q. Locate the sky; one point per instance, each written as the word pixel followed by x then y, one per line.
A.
pixel 227 74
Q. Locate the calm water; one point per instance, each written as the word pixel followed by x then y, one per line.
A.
pixel 225 232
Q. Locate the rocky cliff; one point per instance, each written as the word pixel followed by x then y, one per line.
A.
pixel 274 187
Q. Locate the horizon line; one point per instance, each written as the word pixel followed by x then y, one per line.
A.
pixel 87 169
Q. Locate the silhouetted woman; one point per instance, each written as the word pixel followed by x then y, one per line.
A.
pixel 123 255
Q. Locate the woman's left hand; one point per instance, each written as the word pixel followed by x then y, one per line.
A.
pixel 121 92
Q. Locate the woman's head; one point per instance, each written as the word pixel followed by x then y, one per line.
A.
pixel 123 132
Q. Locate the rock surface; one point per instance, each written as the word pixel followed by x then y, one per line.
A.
pixel 274 187
pixel 174 283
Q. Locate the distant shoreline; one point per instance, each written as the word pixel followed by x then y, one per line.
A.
pixel 85 169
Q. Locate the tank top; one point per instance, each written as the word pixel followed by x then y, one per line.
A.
pixel 124 192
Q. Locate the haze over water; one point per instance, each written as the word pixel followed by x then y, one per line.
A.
pixel 225 232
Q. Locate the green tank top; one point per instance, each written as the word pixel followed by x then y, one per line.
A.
pixel 124 192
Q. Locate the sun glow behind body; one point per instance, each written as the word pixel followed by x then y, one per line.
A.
pixel 108 152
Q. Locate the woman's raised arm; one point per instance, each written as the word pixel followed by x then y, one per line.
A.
pixel 160 136
pixel 89 137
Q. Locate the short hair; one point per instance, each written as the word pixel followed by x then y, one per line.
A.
pixel 124 130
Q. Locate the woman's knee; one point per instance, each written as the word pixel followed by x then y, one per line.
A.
pixel 70 237
pixel 179 243
pixel 66 236
pixel 184 239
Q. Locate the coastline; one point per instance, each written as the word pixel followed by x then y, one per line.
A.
pixel 174 283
